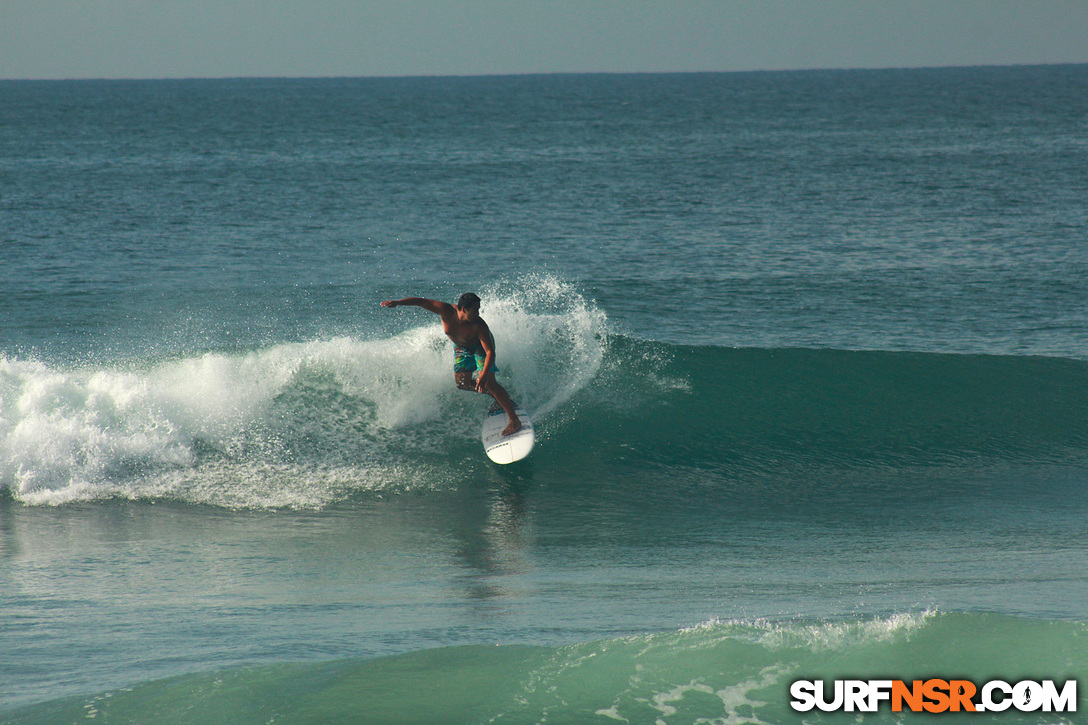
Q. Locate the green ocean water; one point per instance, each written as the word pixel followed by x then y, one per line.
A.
pixel 737 672
pixel 805 353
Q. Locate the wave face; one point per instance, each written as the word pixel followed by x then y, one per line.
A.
pixel 856 408
pixel 723 672
pixel 306 424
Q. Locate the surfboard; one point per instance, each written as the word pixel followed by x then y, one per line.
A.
pixel 506 449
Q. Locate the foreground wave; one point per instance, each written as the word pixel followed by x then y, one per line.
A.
pixel 307 424
pixel 724 672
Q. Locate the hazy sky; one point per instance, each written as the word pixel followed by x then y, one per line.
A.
pixel 215 38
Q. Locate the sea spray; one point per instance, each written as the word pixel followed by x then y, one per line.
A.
pixel 553 339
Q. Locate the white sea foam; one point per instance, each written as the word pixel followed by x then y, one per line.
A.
pixel 818 636
pixel 551 341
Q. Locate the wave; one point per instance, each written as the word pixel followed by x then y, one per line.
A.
pixel 725 672
pixel 770 406
pixel 297 424
pixel 309 423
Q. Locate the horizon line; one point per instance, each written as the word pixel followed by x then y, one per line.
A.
pixel 391 76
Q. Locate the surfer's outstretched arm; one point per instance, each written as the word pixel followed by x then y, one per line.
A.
pixel 436 306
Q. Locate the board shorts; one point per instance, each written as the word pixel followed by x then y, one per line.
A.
pixel 470 360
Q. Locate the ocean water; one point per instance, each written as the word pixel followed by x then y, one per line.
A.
pixel 807 354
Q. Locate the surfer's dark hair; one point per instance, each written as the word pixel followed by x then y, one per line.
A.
pixel 469 300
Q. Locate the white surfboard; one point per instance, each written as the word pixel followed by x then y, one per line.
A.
pixel 507 449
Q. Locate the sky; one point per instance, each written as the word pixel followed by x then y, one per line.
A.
pixel 53 39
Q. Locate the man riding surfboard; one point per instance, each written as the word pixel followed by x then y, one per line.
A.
pixel 474 350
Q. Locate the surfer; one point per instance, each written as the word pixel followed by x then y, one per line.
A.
pixel 474 348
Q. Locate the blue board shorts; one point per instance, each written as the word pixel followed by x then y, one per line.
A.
pixel 470 360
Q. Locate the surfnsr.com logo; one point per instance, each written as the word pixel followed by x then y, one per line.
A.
pixel 934 695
